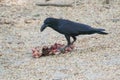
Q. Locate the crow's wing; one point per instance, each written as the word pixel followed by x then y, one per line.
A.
pixel 69 27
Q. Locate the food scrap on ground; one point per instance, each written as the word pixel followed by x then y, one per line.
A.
pixel 52 50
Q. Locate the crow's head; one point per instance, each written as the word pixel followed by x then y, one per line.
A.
pixel 49 22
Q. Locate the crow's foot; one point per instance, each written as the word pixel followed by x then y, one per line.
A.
pixel 66 49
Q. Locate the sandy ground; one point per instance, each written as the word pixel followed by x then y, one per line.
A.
pixel 96 57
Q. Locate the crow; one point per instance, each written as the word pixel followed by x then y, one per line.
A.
pixel 70 29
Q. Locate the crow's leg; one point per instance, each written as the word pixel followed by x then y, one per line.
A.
pixel 68 43
pixel 74 39
pixel 68 39
pixel 71 46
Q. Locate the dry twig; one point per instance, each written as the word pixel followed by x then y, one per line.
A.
pixel 51 4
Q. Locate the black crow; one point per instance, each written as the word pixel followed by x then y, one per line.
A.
pixel 70 28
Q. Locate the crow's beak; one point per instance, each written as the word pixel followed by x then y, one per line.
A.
pixel 43 27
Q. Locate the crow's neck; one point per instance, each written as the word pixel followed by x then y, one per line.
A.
pixel 55 28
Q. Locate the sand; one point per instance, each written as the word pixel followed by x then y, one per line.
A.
pixel 96 57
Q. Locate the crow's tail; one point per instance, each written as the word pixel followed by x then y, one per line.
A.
pixel 104 33
pixel 100 31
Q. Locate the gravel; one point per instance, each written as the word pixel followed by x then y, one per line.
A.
pixel 96 57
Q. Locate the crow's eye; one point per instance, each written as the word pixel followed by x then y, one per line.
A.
pixel 47 22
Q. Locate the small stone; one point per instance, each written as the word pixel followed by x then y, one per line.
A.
pixel 0 54
pixel 27 21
